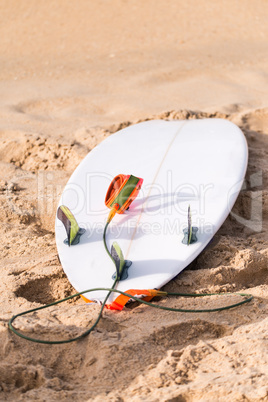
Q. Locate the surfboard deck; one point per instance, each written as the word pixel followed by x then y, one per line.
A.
pixel 201 163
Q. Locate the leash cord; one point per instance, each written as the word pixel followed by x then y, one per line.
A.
pixel 113 290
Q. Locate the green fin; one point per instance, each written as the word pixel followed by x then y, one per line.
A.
pixel 118 258
pixel 190 230
pixel 70 224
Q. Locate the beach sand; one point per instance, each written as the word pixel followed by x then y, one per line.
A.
pixel 72 73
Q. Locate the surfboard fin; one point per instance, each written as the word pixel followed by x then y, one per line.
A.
pixel 190 232
pixel 121 264
pixel 74 232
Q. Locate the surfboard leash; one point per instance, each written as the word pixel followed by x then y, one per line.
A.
pixel 121 192
pixel 141 301
pixel 119 264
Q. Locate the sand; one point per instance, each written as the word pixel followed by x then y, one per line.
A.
pixel 72 73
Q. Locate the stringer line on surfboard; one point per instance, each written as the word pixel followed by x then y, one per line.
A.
pixel 153 182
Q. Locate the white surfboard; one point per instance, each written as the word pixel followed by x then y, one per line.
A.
pixel 201 163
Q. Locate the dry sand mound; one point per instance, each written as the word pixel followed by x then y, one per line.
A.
pixel 137 354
